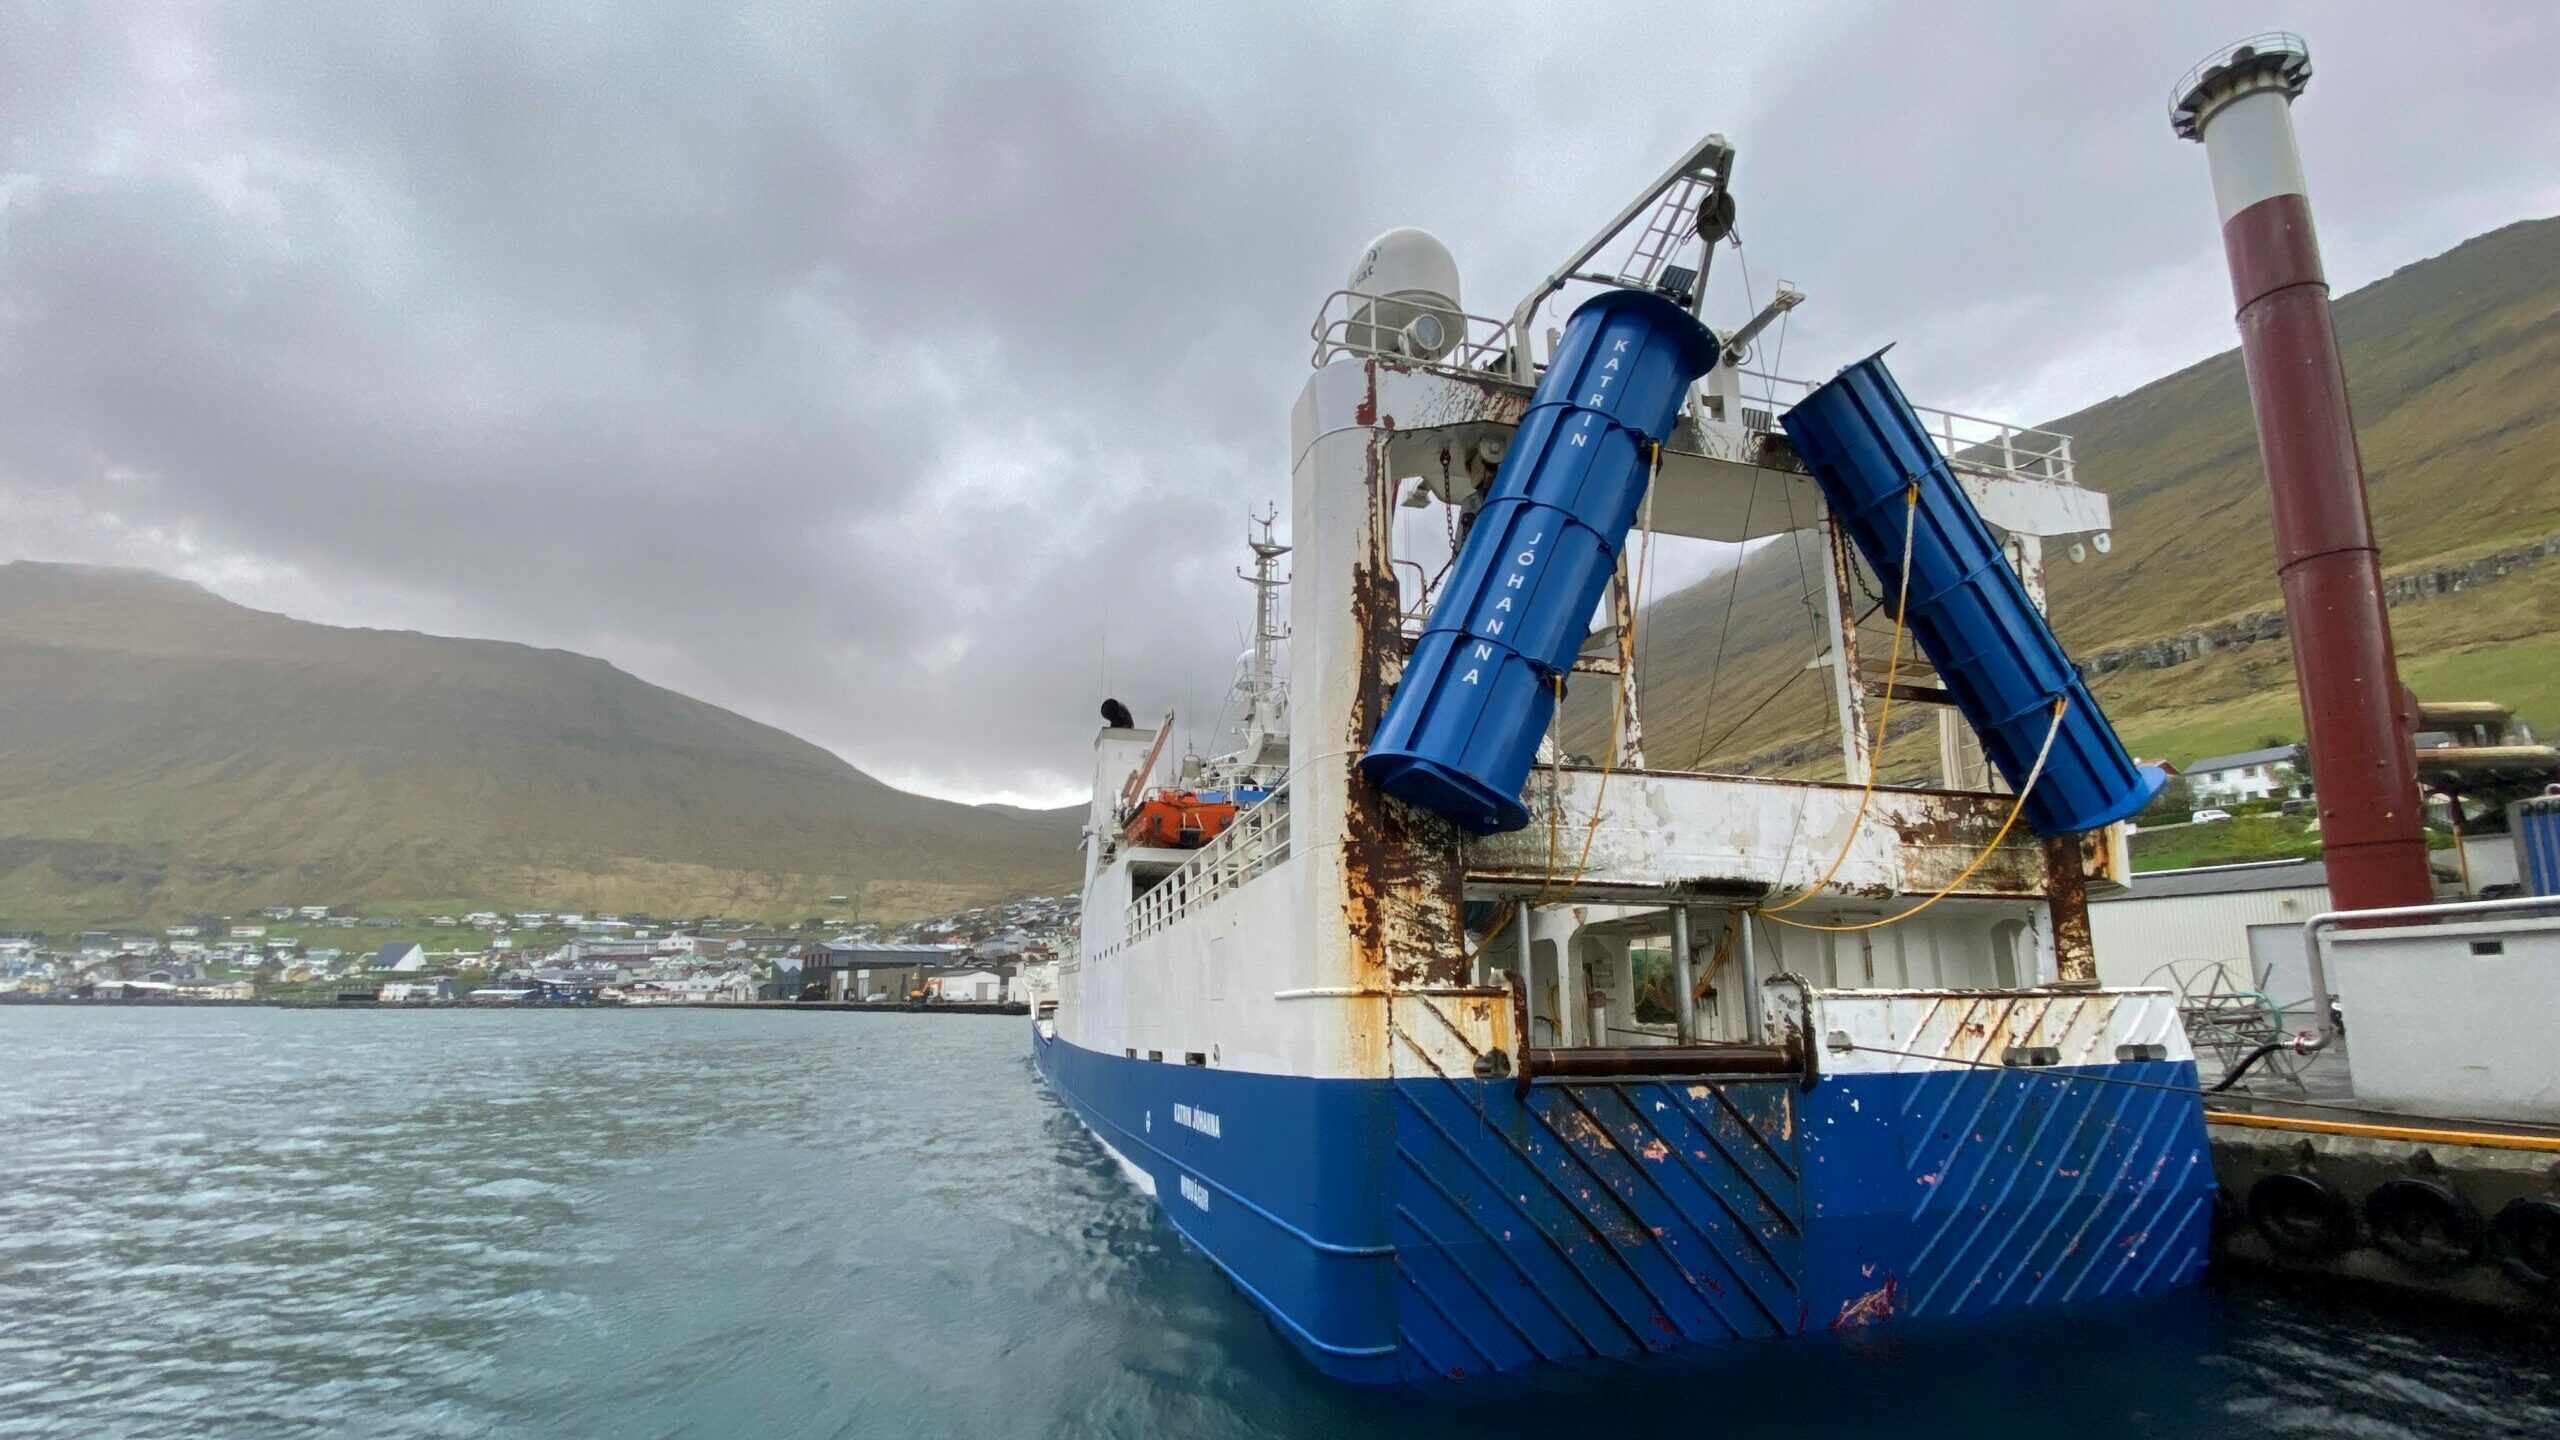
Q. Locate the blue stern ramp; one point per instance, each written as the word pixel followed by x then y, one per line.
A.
pixel 1966 607
pixel 1464 724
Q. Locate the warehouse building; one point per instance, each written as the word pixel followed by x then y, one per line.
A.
pixel 2172 927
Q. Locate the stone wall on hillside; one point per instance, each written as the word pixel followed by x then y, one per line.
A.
pixel 2242 631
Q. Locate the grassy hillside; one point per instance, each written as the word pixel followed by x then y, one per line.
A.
pixel 164 752
pixel 2453 365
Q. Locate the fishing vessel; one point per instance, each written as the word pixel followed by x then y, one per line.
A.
pixel 1460 1051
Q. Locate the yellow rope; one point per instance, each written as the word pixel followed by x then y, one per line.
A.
pixel 1599 799
pixel 1547 891
pixel 2486 1139
pixel 1892 673
pixel 2061 703
pixel 1617 720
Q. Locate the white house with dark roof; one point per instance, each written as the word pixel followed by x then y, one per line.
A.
pixel 2274 773
pixel 400 956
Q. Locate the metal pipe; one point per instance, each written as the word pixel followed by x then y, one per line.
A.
pixel 1684 971
pixel 1528 976
pixel 1750 983
pixel 2327 920
pixel 1573 995
pixel 2354 712
pixel 1592 1062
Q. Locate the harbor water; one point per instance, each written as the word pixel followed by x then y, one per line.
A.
pixel 263 1222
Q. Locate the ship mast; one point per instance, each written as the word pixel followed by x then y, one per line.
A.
pixel 1265 718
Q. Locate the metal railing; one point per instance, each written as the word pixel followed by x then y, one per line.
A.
pixel 1970 442
pixel 2283 50
pixel 1482 346
pixel 1346 326
pixel 2322 998
pixel 1255 842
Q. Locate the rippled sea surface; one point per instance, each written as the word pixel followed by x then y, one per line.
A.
pixel 278 1223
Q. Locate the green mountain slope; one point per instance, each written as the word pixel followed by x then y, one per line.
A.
pixel 164 751
pixel 2453 365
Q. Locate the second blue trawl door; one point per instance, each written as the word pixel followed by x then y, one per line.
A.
pixel 1967 610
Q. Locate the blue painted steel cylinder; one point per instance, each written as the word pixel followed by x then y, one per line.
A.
pixel 2536 823
pixel 1463 727
pixel 1966 609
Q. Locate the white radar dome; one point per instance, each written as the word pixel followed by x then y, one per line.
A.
pixel 1406 297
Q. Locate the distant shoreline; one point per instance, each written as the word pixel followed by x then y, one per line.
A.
pixel 953 1007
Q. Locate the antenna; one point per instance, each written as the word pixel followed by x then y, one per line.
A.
pixel 1261 678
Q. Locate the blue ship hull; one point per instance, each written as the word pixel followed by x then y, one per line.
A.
pixel 1403 1229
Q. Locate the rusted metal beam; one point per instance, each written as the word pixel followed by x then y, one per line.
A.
pixel 2075 950
pixel 1630 738
pixel 1592 1062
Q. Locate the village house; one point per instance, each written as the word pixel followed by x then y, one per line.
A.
pixel 233 990
pixel 977 983
pixel 2273 773
pixel 729 989
pixel 583 951
pixel 415 992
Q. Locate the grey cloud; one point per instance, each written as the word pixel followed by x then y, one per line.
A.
pixel 889 372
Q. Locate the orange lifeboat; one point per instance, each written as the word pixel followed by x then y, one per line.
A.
pixel 1178 820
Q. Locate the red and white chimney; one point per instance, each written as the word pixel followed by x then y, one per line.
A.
pixel 2355 719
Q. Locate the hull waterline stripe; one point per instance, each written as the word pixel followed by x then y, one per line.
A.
pixel 1357 1352
pixel 1327 1246
pixel 1262 1301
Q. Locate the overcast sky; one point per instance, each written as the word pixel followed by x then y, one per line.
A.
pixel 891 372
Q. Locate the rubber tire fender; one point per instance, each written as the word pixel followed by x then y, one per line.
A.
pixel 2526 1239
pixel 2300 1215
pixel 2425 1224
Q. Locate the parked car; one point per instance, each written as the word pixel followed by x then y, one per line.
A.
pixel 2209 817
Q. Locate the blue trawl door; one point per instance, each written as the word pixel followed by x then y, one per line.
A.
pixel 1591 1218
